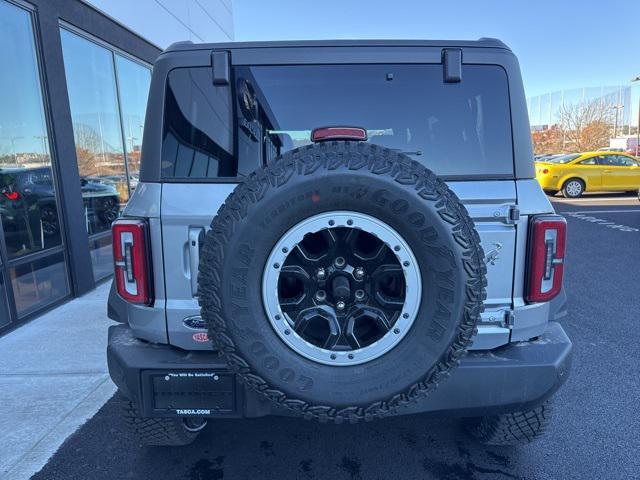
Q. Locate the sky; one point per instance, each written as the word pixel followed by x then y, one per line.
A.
pixel 560 44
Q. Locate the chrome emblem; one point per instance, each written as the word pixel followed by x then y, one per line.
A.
pixel 194 322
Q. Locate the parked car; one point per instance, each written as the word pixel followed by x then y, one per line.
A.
pixel 576 173
pixel 29 210
pixel 331 230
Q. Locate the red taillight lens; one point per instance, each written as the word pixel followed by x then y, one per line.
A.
pixel 545 171
pixel 547 240
pixel 13 196
pixel 131 261
pixel 338 133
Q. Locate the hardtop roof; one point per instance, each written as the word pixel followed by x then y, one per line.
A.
pixel 483 42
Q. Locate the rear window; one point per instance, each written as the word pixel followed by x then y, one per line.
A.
pixel 456 129
pixel 563 158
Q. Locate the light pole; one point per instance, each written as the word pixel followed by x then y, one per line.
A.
pixel 615 123
pixel 637 79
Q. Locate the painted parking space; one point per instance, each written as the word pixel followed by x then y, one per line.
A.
pixel 627 221
pixel 597 200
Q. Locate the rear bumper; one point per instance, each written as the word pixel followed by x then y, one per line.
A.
pixel 165 381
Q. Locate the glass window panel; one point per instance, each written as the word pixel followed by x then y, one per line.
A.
pixel 96 126
pixel 101 256
pixel 38 283
pixel 133 85
pixel 28 206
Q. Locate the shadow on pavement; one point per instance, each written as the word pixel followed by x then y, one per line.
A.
pixel 283 448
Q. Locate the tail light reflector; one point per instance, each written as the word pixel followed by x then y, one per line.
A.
pixel 547 239
pixel 131 260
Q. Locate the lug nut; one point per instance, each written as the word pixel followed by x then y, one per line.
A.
pixel 321 274
pixel 340 305
pixel 321 295
pixel 340 262
pixel 359 273
pixel 359 294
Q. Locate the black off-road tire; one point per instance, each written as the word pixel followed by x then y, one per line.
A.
pixel 342 176
pixel 161 432
pixel 519 428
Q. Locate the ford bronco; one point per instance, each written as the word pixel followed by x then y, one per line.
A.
pixel 341 231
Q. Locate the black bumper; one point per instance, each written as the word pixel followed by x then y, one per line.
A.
pixel 165 381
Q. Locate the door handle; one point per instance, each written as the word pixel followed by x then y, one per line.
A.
pixel 196 236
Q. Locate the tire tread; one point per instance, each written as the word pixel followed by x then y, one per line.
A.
pixel 379 161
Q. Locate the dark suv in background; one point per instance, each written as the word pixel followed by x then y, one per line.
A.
pixel 29 212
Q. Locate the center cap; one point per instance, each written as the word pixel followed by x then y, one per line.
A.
pixel 341 288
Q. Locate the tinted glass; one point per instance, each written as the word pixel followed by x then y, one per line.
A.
pixel 96 128
pixel 455 129
pixel 133 86
pixel 623 161
pixel 616 161
pixel 563 158
pixel 589 161
pixel 198 134
pixel 101 256
pixel 28 205
pixel 38 283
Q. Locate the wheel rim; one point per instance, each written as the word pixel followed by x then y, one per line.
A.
pixel 574 188
pixel 49 221
pixel 341 288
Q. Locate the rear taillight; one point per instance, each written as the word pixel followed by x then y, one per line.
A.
pixel 13 196
pixel 547 239
pixel 131 261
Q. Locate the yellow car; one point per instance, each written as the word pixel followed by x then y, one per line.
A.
pixel 576 173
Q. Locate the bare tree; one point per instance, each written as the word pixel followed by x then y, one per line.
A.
pixel 585 126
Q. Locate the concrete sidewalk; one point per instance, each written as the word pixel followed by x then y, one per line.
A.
pixel 53 378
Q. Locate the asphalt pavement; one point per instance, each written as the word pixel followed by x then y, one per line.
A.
pixel 595 433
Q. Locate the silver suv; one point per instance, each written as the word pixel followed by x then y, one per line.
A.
pixel 332 230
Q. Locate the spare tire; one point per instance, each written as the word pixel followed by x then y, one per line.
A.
pixel 342 281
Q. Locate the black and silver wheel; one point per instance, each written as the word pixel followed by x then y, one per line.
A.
pixel 342 281
pixel 110 210
pixel 573 188
pixel 341 288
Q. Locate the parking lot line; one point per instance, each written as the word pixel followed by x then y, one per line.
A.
pixel 601 211
pixel 593 200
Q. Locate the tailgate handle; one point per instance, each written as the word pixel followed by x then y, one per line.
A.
pixel 196 236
